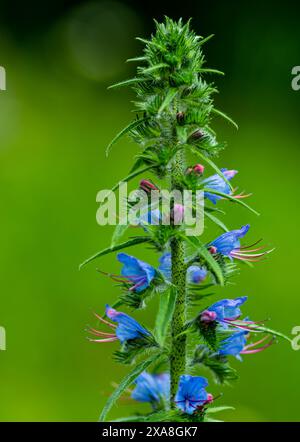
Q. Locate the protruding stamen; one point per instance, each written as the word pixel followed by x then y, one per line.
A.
pixel 104 321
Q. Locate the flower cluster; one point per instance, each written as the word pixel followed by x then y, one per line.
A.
pixel 174 113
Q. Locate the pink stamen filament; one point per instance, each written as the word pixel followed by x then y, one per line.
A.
pixel 257 350
pixel 104 321
pixel 100 333
pixel 251 245
pixel 254 344
pixel 103 340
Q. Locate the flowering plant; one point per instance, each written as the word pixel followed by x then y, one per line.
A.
pixel 174 111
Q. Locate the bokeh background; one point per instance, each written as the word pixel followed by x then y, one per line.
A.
pixel 56 118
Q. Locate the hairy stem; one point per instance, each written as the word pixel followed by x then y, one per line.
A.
pixel 178 345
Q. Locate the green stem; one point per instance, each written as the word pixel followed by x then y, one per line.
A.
pixel 178 344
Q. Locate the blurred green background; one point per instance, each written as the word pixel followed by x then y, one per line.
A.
pixel 56 118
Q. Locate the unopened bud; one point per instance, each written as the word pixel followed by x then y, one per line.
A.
pixel 210 398
pixel 208 316
pixel 213 250
pixel 197 135
pixel 178 213
pixel 147 186
pixel 180 117
pixel 199 169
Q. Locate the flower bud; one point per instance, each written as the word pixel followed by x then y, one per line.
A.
pixel 147 186
pixel 180 117
pixel 197 135
pixel 213 250
pixel 178 213
pixel 210 398
pixel 199 169
pixel 208 316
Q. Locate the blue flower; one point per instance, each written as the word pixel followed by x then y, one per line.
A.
pixel 191 393
pixel 165 265
pixel 196 274
pixel 152 217
pixel 234 344
pixel 228 244
pixel 152 388
pixel 215 182
pixel 227 309
pixel 128 328
pixel 139 273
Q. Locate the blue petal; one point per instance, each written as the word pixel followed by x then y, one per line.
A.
pixel 227 308
pixel 196 274
pixel 137 271
pixel 191 393
pixel 128 328
pixel 151 388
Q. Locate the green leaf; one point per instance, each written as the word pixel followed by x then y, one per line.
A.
pixel 231 198
pixel 154 68
pixel 221 114
pixel 212 165
pixel 164 315
pixel 119 231
pixel 212 410
pixel 261 328
pixel 169 97
pixel 206 39
pixel 128 82
pixel 136 59
pixel 211 262
pixel 212 71
pixel 129 243
pixel 126 382
pixel 124 131
pixel 216 220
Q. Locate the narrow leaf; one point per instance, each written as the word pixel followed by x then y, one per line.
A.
pixel 212 71
pixel 231 198
pixel 216 220
pixel 169 97
pixel 212 410
pixel 154 68
pixel 164 315
pixel 226 117
pixel 124 131
pixel 126 382
pixel 119 231
pixel 128 82
pixel 129 243
pixel 261 328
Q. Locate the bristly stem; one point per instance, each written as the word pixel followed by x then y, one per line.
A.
pixel 178 344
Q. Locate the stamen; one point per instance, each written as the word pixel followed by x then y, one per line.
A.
pixel 95 332
pixel 257 350
pixel 104 321
pixel 253 344
pixel 103 340
pixel 251 245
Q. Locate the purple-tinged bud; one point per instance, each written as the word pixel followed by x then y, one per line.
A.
pixel 199 169
pixel 209 399
pixel 178 213
pixel 180 117
pixel 197 135
pixel 212 250
pixel 208 316
pixel 147 186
